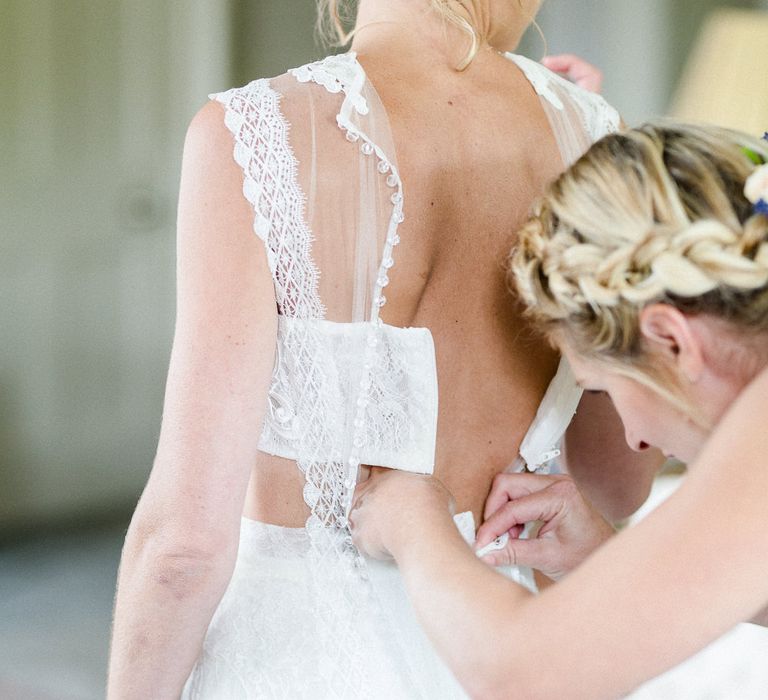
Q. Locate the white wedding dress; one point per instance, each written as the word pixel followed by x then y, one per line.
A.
pixel 305 616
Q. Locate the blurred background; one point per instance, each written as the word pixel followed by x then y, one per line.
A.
pixel 96 97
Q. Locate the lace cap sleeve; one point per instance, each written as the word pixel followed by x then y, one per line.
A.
pixel 247 113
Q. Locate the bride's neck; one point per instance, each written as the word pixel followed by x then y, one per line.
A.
pixel 416 26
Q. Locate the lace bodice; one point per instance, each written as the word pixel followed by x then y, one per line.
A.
pixel 391 370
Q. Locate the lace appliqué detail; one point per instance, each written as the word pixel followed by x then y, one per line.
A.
pixel 340 73
pixel 270 184
pixel 401 415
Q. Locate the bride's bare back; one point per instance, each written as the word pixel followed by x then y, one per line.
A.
pixel 474 149
pixel 471 169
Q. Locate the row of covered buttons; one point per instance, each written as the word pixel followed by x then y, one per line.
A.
pixel 397 215
pixel 382 280
pixel 358 435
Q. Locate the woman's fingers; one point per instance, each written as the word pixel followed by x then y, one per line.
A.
pixel 508 487
pixel 390 505
pixel 540 505
pixel 577 70
pixel 572 529
pixel 560 63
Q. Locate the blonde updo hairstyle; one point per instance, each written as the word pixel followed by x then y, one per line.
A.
pixel 334 16
pixel 653 215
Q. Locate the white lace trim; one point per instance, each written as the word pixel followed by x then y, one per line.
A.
pixel 344 73
pixel 339 73
pixel 271 185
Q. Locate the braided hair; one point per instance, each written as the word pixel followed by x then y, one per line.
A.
pixel 653 215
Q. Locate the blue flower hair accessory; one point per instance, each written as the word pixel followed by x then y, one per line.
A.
pixel 756 186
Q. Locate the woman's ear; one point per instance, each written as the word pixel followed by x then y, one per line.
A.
pixel 669 333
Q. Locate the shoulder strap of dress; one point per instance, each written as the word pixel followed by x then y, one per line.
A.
pixel 578 118
pixel 243 108
pixel 541 443
pixel 597 116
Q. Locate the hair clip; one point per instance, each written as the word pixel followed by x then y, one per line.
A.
pixel 753 156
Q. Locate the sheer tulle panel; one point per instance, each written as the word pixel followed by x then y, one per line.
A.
pixel 586 118
pixel 578 118
pixel 348 201
pixel 567 126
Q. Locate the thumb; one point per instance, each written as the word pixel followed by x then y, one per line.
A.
pixel 530 553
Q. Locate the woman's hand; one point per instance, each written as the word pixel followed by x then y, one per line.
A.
pixel 391 506
pixel 572 529
pixel 577 70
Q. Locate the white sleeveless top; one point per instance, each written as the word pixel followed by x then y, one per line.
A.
pixel 347 388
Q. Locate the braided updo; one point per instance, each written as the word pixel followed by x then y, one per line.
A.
pixel 655 214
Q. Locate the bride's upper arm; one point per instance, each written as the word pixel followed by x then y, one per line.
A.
pixel 223 351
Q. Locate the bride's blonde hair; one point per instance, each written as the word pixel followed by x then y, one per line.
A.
pixel 655 214
pixel 334 16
